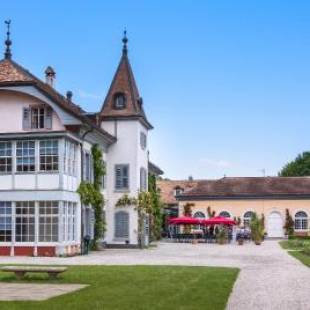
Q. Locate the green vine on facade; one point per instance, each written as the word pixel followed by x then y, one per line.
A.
pixel 156 218
pixel 90 193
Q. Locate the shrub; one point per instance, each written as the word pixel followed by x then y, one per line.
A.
pixel 257 229
pixel 222 235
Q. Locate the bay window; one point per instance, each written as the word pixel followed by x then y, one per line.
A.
pixel 5 157
pixel 25 156
pixel 48 221
pixel 49 155
pixel 25 221
pixel 5 221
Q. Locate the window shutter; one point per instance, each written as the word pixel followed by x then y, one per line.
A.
pixel 121 224
pixel 26 118
pixel 118 176
pixel 125 177
pixel 48 118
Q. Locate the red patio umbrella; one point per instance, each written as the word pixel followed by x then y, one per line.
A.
pixel 183 220
pixel 220 220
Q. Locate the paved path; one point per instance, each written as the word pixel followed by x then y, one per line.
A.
pixel 270 279
pixel 22 291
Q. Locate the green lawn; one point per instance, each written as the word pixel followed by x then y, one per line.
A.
pixel 299 249
pixel 304 258
pixel 136 287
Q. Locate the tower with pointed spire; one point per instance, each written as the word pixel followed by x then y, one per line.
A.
pixel 123 116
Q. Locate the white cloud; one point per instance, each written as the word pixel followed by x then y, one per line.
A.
pixel 87 95
pixel 215 163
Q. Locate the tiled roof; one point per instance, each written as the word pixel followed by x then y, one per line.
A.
pixel 124 82
pixel 12 74
pixel 250 187
pixel 167 189
pixel 9 72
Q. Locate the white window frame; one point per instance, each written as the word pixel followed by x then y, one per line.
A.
pixel 49 155
pixel 27 155
pixel 40 117
pixel 143 179
pixel 143 140
pixel 225 212
pixel 247 219
pixel 120 230
pixel 25 218
pixel 121 180
pixel 6 221
pixel 301 223
pixel 6 157
pixel 48 221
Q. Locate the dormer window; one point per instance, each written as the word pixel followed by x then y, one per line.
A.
pixel 119 101
pixel 37 117
pixel 178 191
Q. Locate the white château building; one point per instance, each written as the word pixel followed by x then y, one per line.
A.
pixel 45 152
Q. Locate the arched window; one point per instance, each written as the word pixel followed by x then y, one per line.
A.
pixel 301 220
pixel 199 215
pixel 119 101
pixel 224 214
pixel 121 224
pixel 247 217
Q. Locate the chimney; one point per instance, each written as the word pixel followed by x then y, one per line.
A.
pixel 69 96
pixel 50 76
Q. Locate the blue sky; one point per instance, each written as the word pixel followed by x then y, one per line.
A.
pixel 225 83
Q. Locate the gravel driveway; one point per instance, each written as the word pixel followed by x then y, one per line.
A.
pixel 269 277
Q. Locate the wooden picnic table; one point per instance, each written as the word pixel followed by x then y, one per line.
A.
pixel 20 271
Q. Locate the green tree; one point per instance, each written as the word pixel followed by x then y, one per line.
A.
pixel 300 166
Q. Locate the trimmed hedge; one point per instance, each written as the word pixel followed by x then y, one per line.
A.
pixel 298 237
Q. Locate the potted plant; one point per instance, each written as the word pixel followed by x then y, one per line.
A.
pixel 221 235
pixel 257 229
pixel 240 240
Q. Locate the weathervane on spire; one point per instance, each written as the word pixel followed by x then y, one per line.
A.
pixel 8 42
pixel 125 41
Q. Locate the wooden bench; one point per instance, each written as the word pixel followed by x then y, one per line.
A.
pixel 20 271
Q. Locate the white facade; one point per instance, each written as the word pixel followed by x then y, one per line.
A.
pixel 45 153
pixel 126 151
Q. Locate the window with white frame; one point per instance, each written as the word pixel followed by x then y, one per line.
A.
pixel 121 224
pixel 143 140
pixel 49 155
pixel 70 158
pixel 143 179
pixel 301 221
pixel 37 117
pixel 69 221
pixel 225 214
pixel 5 221
pixel 121 177
pixel 119 101
pixel 25 156
pixel 48 221
pixel 5 157
pixel 87 167
pixel 178 190
pixel 247 217
pixel 25 221
pixel 199 215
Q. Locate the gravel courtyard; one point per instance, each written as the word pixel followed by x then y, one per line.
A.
pixel 269 277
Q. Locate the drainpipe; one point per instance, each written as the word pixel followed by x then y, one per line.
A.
pixel 82 179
